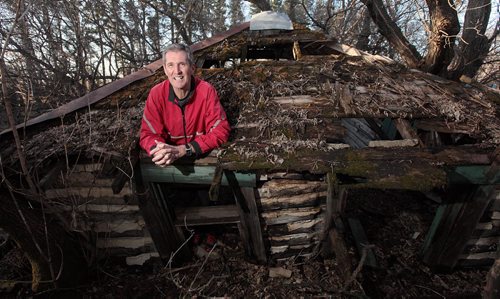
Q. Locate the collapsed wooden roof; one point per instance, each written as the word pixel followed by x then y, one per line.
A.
pixel 289 96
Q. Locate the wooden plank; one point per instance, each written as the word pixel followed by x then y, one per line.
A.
pixel 361 241
pixel 454 224
pixel 287 187
pixel 93 208
pixel 406 130
pixel 441 126
pixel 85 192
pixel 250 216
pixel 129 242
pixel 307 199
pixel 139 260
pixel 290 215
pixel 159 220
pixel 472 174
pixel 249 225
pixel 189 174
pixel 394 143
pixel 208 215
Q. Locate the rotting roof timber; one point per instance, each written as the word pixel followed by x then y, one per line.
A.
pixel 290 106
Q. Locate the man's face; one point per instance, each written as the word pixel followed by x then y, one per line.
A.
pixel 178 70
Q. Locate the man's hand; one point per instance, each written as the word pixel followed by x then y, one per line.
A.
pixel 164 154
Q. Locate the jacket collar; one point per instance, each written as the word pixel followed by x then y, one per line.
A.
pixel 181 102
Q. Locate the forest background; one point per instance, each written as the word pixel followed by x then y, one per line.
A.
pixel 55 51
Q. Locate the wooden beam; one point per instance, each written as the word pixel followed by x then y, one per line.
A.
pixel 334 240
pixel 189 174
pixel 159 219
pixel 251 219
pixel 473 174
pixel 250 227
pixel 406 130
pixel 454 224
pixel 362 241
pixel 442 127
pixel 208 215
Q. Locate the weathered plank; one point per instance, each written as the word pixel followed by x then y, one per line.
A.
pixel 128 242
pixel 190 174
pixel 285 187
pixel 406 130
pixel 221 214
pixel 85 192
pixel 394 143
pixel 453 225
pixel 159 220
pixel 290 215
pixel 361 241
pixel 93 208
pixel 414 168
pixel 307 199
pixel 249 215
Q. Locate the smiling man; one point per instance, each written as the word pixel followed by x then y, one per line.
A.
pixel 183 115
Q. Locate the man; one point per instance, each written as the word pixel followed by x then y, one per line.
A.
pixel 183 115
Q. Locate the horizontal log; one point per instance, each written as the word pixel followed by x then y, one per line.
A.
pixel 93 167
pixel 295 239
pixel 442 126
pixel 139 260
pixel 207 215
pixel 284 248
pixel 83 179
pixel 484 241
pixel 118 226
pixel 413 169
pixel 93 208
pixel 479 256
pixel 290 215
pixel 484 226
pixel 129 242
pixel 293 226
pixel 297 100
pixel 296 227
pixel 86 192
pixel 393 143
pixel 308 199
pixel 276 188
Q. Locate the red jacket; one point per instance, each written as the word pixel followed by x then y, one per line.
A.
pixel 201 121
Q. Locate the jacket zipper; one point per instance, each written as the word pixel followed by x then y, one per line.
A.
pixel 184 125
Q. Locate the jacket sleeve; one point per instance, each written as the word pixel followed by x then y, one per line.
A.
pixel 152 124
pixel 217 127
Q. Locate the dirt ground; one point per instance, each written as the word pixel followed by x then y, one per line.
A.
pixel 395 224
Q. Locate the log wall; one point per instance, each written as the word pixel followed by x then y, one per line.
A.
pixel 292 213
pixel 111 222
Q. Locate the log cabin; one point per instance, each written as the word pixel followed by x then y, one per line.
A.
pixel 311 119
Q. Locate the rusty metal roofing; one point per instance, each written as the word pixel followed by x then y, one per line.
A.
pixel 101 93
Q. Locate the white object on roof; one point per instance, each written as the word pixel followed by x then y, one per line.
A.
pixel 270 20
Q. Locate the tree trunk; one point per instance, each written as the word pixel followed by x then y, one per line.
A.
pixel 474 45
pixel 444 28
pixel 392 32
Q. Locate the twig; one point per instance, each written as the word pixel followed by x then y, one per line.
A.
pixel 429 289
pixel 358 269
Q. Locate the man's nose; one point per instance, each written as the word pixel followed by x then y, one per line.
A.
pixel 177 69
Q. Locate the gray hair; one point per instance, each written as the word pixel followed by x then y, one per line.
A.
pixel 179 48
